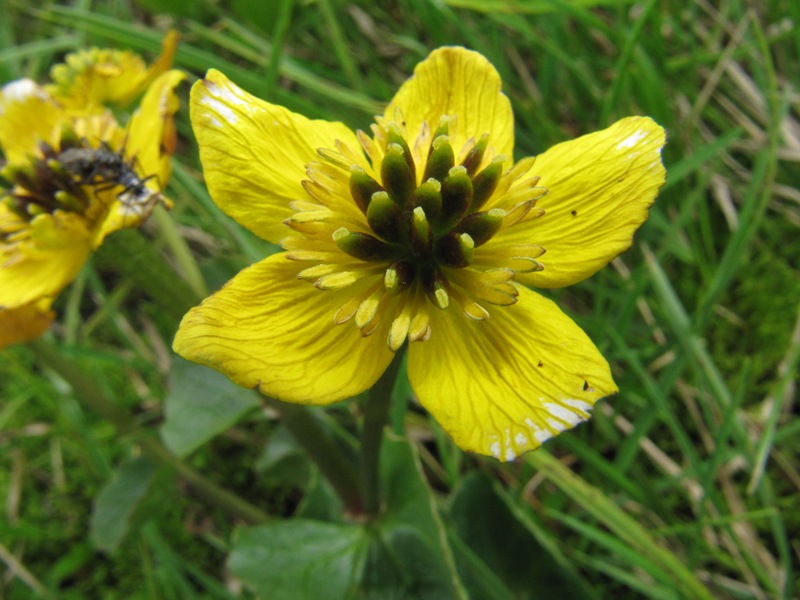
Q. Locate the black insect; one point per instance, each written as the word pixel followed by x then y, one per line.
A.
pixel 104 169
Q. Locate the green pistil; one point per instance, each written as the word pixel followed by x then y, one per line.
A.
pixel 441 159
pixel 386 218
pixel 428 197
pixel 455 250
pixel 482 226
pixel 397 177
pixel 362 187
pixel 456 197
pixel 421 231
pixel 485 183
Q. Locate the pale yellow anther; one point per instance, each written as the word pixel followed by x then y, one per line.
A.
pixel 367 310
pixel 340 233
pixel 420 326
pixel 347 310
pixel 317 271
pixel 337 281
pixel 442 298
pixel 391 280
pixel 399 331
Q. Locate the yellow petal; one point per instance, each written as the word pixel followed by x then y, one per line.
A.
pixel 600 186
pixel 457 82
pixel 254 153
pixel 25 323
pixel 43 263
pixel 91 78
pixel 28 115
pixel 270 330
pixel 506 384
pixel 151 137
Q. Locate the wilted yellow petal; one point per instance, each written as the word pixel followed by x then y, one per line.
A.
pixel 506 384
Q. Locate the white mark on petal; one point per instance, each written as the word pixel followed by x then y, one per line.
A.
pixel 632 139
pixel 579 404
pixel 495 450
pixel 522 440
pixel 557 425
pixel 228 95
pixel 542 435
pixel 532 425
pixel 563 413
pixel 510 455
pixel 22 89
pixel 220 109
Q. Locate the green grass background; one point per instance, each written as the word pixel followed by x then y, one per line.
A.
pixel 695 461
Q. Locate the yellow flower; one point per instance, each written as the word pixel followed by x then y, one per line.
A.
pixel 426 231
pixel 90 79
pixel 25 323
pixel 74 179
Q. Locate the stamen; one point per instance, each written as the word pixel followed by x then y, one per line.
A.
pixel 371 149
pixel 398 277
pixel 368 309
pixel 472 309
pixel 420 329
pixel 400 327
pixel 399 246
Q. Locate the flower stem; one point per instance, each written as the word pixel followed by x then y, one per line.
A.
pixel 328 457
pixel 376 410
pixel 90 396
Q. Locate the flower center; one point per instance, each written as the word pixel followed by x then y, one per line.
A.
pixel 70 180
pixel 43 186
pixel 411 226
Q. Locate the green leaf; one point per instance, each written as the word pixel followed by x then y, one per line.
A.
pixel 411 527
pixel 117 501
pixel 401 563
pixel 300 559
pixel 320 502
pixel 403 554
pixel 201 403
pixel 505 541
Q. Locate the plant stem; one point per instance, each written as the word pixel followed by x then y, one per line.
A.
pixel 376 410
pixel 89 395
pixel 328 457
